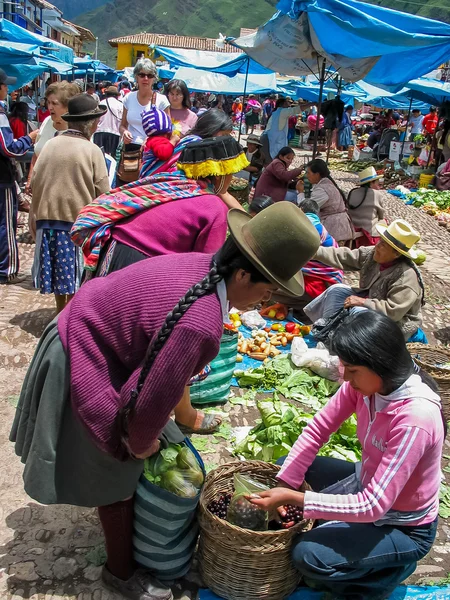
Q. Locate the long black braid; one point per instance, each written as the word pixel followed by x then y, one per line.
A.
pixel 413 266
pixel 228 259
pixel 317 165
pixel 366 189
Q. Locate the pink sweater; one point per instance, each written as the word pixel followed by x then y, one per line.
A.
pixel 401 462
pixel 105 332
pixel 196 224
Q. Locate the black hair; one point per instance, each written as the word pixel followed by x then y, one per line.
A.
pixel 90 86
pixel 125 84
pixel 285 151
pixel 211 122
pixel 19 110
pixel 416 269
pixel 349 107
pixel 373 340
pixel 366 187
pixel 279 103
pixel 260 203
pixel 317 165
pixel 310 206
pixel 179 84
pixel 228 259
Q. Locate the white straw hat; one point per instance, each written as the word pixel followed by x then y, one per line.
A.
pixel 368 175
pixel 401 236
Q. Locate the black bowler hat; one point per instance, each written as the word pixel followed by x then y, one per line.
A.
pixel 84 108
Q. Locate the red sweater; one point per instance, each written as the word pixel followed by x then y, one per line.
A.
pixel 18 127
pixel 106 329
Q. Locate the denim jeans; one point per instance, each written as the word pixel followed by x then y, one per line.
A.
pixel 356 561
pixel 330 301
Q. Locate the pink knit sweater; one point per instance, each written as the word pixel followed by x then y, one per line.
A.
pixel 106 329
pixel 401 461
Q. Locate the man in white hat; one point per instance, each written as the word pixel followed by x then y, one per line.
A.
pixel 365 208
pixel 389 281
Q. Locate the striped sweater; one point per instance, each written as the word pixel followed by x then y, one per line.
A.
pixel 401 461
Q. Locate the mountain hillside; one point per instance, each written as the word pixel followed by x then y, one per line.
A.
pixel 205 18
pixel 71 9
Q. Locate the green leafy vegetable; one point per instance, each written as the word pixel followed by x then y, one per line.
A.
pixel 444 501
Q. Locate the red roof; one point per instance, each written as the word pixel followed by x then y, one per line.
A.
pixel 172 41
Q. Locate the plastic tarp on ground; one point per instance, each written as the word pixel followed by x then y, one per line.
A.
pixel 198 80
pixel 400 593
pixel 228 63
pixel 14 33
pixel 363 41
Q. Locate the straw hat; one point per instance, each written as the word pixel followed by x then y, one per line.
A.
pixel 254 139
pixel 217 156
pixel 368 175
pixel 401 236
pixel 279 241
pixel 84 108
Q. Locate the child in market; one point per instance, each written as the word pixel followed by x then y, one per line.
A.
pixel 161 137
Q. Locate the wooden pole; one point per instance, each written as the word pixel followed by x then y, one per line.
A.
pixel 319 106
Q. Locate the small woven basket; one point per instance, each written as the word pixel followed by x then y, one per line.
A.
pixel 237 563
pixel 428 358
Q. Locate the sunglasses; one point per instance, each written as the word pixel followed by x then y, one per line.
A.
pixel 146 76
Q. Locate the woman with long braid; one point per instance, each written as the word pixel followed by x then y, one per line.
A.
pixel 389 281
pixel 330 198
pixel 108 372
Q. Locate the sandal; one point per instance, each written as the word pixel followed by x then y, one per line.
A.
pixel 140 586
pixel 208 424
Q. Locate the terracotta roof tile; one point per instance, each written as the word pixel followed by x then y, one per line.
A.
pixel 172 41
pixel 244 31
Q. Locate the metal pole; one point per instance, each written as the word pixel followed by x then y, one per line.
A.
pixel 96 48
pixel 406 132
pixel 243 99
pixel 319 106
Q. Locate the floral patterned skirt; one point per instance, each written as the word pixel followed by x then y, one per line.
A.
pixel 60 263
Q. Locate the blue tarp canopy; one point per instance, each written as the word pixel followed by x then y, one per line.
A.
pixel 370 94
pixel 89 65
pixel 199 80
pixel 436 90
pixel 13 33
pixel 362 41
pixel 228 63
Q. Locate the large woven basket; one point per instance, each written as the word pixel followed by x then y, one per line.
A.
pixel 428 357
pixel 240 564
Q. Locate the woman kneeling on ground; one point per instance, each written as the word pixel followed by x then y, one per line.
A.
pixel 377 517
pixel 389 281
pixel 108 372
pixel 170 213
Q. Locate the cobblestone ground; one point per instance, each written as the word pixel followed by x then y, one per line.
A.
pixel 55 553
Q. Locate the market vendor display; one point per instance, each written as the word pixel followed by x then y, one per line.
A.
pixel 103 381
pixel 379 516
pixel 389 281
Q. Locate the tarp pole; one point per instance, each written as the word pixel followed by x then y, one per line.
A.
pixel 406 132
pixel 319 106
pixel 243 99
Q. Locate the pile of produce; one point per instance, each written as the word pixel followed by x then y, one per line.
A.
pixel 355 166
pixel 176 470
pixel 433 202
pixel 238 183
pixel 394 178
pixel 239 511
pixel 281 425
pixel 265 343
pixel 294 383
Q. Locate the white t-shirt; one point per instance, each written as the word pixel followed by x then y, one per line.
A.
pixel 46 132
pixel 135 109
pixel 416 123
pixel 110 122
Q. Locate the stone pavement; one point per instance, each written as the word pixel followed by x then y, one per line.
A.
pixel 55 552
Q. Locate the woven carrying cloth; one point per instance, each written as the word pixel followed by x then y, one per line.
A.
pixel 217 156
pixel 92 229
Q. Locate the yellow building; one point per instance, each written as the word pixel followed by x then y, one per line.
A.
pixel 132 47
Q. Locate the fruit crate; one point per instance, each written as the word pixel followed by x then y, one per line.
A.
pixel 238 563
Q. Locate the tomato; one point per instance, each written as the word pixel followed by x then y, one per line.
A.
pixel 290 327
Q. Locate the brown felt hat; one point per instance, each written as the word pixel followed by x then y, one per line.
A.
pixel 279 241
pixel 84 108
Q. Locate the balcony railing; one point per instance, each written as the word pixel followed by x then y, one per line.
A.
pixel 22 21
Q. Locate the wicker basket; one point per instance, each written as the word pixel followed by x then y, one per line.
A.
pixel 427 357
pixel 237 563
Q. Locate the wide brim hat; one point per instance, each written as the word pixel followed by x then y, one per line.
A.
pixel 279 241
pixel 368 175
pixel 254 139
pixel 84 108
pixel 221 155
pixel 401 236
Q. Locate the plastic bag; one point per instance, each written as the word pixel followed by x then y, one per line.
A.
pixel 243 513
pixel 253 320
pixel 175 469
pixel 318 359
pixel 356 154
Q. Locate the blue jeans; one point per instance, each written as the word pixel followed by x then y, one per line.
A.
pixel 358 561
pixel 330 301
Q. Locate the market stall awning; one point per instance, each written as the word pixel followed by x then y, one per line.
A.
pixel 11 32
pixel 228 63
pixel 439 90
pixel 361 40
pixel 207 81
